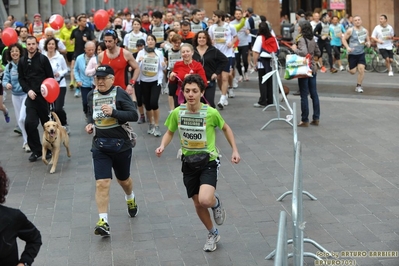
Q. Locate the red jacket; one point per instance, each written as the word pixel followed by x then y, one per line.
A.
pixel 181 69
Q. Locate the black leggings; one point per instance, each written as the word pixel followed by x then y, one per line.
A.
pixel 209 94
pixel 150 92
pixel 326 44
pixel 242 53
pixel 59 106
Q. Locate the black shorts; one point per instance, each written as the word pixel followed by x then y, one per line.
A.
pixel 104 163
pixel 356 59
pixel 337 52
pixel 69 56
pixel 208 175
pixel 230 65
pixel 386 53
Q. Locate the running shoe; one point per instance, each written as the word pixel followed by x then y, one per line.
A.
pixel 7 117
pixel 132 208
pixel 150 129
pixel 219 213
pixel 211 241
pixel 102 228
pixel 157 132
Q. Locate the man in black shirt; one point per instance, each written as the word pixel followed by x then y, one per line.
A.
pixel 80 35
pixel 33 69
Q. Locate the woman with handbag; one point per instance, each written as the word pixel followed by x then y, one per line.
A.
pixel 212 60
pixel 109 109
pixel 196 124
pixel 305 45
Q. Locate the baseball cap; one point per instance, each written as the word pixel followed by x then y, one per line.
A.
pixel 19 24
pixel 37 15
pixel 300 12
pixel 104 70
pixel 140 42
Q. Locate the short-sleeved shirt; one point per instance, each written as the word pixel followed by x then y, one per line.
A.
pixel 221 35
pixel 213 120
pixel 383 33
pixel 336 32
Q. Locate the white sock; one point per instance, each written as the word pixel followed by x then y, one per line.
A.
pixel 213 231
pixel 104 216
pixel 131 196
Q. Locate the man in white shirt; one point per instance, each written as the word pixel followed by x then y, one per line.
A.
pixel 382 35
pixel 127 24
pixel 223 37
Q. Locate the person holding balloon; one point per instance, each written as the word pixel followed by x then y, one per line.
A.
pixel 60 69
pixel 10 82
pixel 33 69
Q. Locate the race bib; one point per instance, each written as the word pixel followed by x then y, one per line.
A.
pixel 192 129
pixel 102 120
pixel 173 58
pixel 158 32
pixel 386 33
pixel 325 31
pixel 338 31
pixel 361 36
pixel 150 66
pixel 196 27
pixel 132 43
pixel 220 35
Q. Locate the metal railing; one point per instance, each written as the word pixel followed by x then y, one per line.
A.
pixel 277 86
pixel 281 258
pixel 295 137
pixel 298 224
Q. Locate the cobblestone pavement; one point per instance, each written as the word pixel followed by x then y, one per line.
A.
pixel 350 163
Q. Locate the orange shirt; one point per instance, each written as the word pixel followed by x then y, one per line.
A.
pixel 120 66
pixel 189 36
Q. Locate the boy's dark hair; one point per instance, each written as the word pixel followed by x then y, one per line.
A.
pixel 195 11
pixel 194 78
pixel 157 14
pixel 220 14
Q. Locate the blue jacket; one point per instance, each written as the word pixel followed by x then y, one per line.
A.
pixel 11 76
pixel 79 71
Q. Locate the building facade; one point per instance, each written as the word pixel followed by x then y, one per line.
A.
pixel 369 10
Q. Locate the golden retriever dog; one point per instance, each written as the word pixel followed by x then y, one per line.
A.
pixel 54 134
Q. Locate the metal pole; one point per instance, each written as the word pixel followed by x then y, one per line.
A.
pixel 277 85
pixel 297 210
pixel 281 249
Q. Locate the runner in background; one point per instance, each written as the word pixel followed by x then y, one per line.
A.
pixel 336 33
pixel 383 35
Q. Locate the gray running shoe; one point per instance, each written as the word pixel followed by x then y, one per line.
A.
pixel 211 241
pixel 219 214
pixel 141 120
pixel 150 129
pixel 157 132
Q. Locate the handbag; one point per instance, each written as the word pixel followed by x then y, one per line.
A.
pixel 110 145
pixel 298 66
pixel 196 161
pixel 130 133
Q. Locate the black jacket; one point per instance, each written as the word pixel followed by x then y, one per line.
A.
pixel 32 72
pixel 213 61
pixel 13 224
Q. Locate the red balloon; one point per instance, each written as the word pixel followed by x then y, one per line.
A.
pixel 56 21
pixel 50 90
pixel 63 2
pixel 125 10
pixel 101 18
pixel 106 1
pixel 9 36
pixel 93 10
